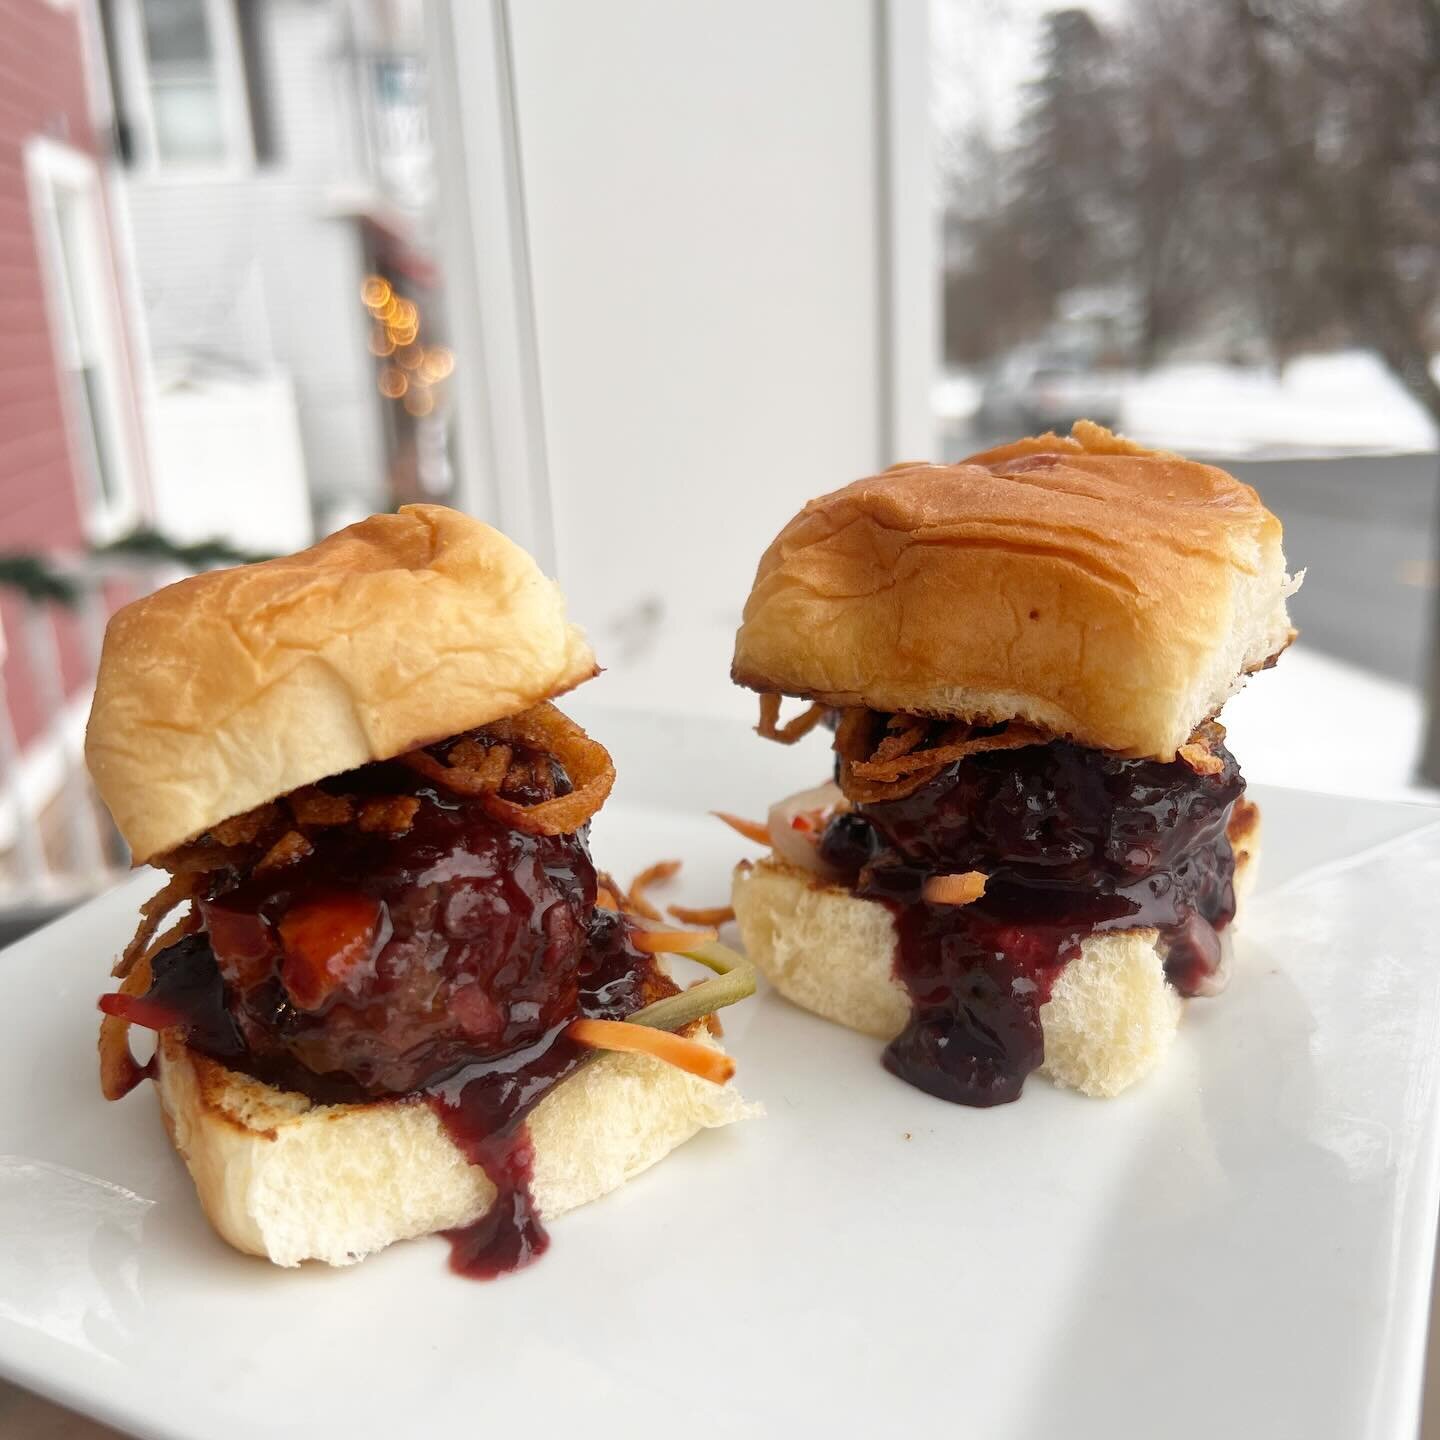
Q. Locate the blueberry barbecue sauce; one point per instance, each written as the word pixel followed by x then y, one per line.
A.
pixel 444 962
pixel 1072 841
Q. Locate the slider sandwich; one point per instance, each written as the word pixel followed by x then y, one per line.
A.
pixel 396 999
pixel 1035 839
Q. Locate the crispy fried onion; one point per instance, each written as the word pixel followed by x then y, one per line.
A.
pixel 275 833
pixel 755 830
pixel 792 730
pixel 1197 751
pixel 120 1072
pixel 656 874
pixel 479 771
pixel 181 886
pixel 712 916
pixel 610 896
pixel 1200 760
pixel 908 750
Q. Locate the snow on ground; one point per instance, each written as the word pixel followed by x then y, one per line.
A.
pixel 1319 404
pixel 1336 404
pixel 955 396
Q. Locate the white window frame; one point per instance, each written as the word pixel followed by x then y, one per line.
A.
pixel 51 168
pixel 910 298
pixel 139 108
pixel 503 471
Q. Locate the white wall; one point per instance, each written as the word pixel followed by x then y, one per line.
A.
pixel 701 190
pixel 226 461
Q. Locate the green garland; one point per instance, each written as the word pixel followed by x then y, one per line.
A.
pixel 38 579
pixel 33 578
pixel 148 544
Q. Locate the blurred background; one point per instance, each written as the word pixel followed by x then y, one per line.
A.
pixel 633 281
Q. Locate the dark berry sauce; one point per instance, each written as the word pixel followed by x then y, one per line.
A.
pixel 1072 841
pixel 446 961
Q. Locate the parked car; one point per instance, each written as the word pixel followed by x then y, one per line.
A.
pixel 1033 390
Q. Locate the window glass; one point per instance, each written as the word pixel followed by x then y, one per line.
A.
pixel 184 88
pixel 86 354
pixel 297 307
pixel 1212 228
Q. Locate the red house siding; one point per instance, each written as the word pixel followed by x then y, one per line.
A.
pixel 42 93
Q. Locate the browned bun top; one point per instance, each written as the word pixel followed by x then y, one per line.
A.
pixel 1083 584
pixel 230 688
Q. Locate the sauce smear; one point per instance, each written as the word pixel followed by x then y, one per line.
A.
pixel 1073 842
pixel 484 1114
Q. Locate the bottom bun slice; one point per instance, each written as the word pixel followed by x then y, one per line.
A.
pixel 282 1177
pixel 1110 1019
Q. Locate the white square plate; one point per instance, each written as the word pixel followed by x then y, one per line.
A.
pixel 1241 1246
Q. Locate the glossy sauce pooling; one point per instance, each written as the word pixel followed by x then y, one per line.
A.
pixel 445 961
pixel 484 1107
pixel 1072 841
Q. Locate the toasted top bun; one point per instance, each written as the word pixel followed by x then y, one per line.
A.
pixel 233 687
pixel 1100 591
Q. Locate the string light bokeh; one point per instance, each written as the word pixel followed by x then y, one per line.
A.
pixel 414 369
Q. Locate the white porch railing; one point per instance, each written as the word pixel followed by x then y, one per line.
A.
pixel 57 844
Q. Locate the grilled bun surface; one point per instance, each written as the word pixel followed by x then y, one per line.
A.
pixel 281 1177
pixel 1105 593
pixel 232 687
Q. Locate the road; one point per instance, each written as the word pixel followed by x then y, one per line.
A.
pixel 1363 527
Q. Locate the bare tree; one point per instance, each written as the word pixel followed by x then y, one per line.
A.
pixel 1348 99
pixel 1270 165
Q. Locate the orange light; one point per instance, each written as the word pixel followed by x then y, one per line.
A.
pixel 381 344
pixel 402 334
pixel 404 313
pixel 419 402
pixel 375 291
pixel 439 363
pixel 392 383
pixel 411 357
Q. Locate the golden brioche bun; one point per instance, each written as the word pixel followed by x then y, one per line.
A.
pixel 1110 1019
pixel 233 687
pixel 1103 592
pixel 281 1177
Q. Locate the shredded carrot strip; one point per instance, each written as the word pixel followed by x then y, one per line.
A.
pixel 706 915
pixel 750 829
pixel 954 889
pixel 688 1055
pixel 669 942
pixel 656 874
pixel 605 900
pixel 136 1010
